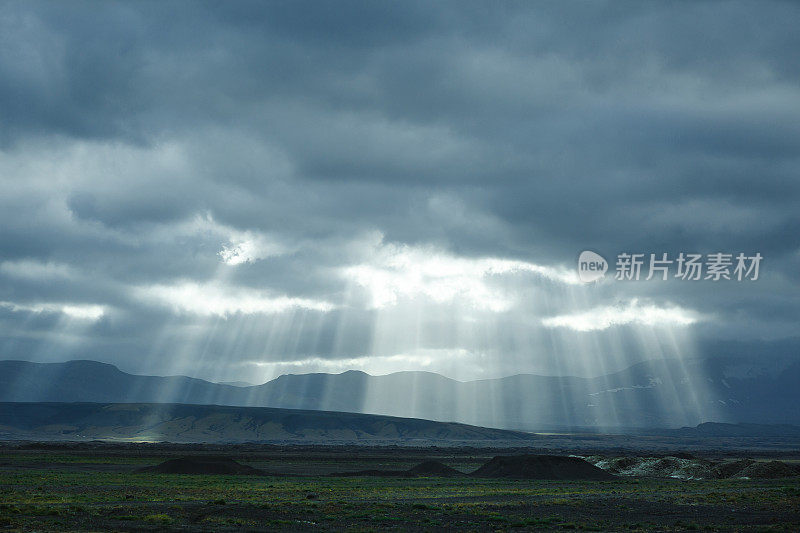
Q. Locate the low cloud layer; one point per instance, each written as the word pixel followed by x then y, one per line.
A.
pixel 234 190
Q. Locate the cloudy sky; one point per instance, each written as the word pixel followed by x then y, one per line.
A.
pixel 239 190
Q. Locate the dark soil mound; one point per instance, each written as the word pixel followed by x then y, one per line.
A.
pixel 202 465
pixel 434 468
pixel 733 468
pixel 665 466
pixel 541 467
pixel 770 470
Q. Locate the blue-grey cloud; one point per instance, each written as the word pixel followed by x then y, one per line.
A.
pixel 208 175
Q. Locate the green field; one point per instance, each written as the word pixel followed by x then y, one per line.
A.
pixel 91 491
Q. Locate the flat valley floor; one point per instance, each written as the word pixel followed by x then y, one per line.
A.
pixel 90 487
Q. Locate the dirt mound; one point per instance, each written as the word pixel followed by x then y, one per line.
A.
pixel 433 468
pixel 202 465
pixel 669 466
pixel 732 468
pixel 696 468
pixel 757 469
pixel 678 468
pixel 767 470
pixel 540 467
pixel 616 465
pixel 664 466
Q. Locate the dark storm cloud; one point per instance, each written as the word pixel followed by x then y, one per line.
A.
pixel 137 140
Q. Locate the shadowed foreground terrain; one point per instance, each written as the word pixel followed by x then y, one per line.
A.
pixel 62 486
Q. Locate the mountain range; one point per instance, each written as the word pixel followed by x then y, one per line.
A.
pixel 657 393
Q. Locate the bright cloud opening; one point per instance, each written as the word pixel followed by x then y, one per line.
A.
pixel 401 271
pixel 604 317
pixel 248 247
pixel 79 311
pixel 210 299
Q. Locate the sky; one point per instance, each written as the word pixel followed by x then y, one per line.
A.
pixel 237 190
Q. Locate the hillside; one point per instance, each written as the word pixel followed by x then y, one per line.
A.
pixel 224 424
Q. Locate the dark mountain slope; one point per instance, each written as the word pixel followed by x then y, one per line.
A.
pixel 211 423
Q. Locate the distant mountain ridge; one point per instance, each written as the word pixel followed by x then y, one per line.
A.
pixel 225 424
pixel 658 393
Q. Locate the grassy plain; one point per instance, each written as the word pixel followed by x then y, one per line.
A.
pixel 93 491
